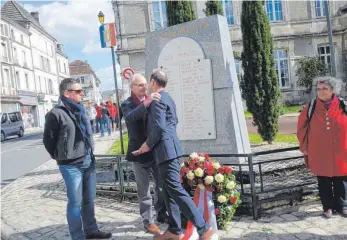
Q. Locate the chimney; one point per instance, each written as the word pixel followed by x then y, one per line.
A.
pixel 60 47
pixel 35 15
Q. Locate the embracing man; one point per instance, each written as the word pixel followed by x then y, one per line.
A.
pixel 68 139
pixel 162 140
pixel 135 114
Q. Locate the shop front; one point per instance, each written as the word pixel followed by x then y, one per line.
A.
pixel 10 104
pixel 29 109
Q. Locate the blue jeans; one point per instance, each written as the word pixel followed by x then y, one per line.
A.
pixel 80 186
pixel 105 121
pixel 98 124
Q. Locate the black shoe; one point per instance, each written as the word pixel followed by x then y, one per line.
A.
pixel 99 235
pixel 162 218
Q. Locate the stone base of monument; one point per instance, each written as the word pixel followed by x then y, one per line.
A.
pixel 278 185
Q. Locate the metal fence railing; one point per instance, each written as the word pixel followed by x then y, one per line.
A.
pixel 264 177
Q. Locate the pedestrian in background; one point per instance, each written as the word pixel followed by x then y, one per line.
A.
pixel 91 115
pixel 105 120
pixel 322 134
pixel 113 112
pixel 98 117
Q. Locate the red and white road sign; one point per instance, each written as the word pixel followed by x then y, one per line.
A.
pixel 127 73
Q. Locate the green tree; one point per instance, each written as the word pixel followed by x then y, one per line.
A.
pixel 309 68
pixel 213 7
pixel 259 82
pixel 179 12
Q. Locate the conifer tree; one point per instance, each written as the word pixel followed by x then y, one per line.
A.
pixel 179 12
pixel 260 83
pixel 213 7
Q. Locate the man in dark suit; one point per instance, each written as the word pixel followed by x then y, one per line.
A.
pixel 163 141
pixel 135 112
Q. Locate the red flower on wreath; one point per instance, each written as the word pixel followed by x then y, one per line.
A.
pixel 221 170
pixel 207 164
pixel 206 156
pixel 184 171
pixel 196 160
pixel 210 171
pixel 217 211
pixel 227 170
pixel 233 200
pixel 192 166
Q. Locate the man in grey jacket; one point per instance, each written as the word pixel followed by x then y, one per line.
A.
pixel 69 140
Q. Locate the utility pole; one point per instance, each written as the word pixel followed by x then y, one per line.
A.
pixel 117 96
pixel 108 39
pixel 330 34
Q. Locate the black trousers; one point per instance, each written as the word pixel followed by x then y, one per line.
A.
pixel 333 192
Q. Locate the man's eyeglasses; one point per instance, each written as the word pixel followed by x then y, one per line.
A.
pixel 141 85
pixel 78 91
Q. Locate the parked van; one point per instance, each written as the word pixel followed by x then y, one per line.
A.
pixel 11 124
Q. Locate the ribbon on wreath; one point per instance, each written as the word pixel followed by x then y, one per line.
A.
pixel 203 200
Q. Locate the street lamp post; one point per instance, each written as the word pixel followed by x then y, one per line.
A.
pixel 101 17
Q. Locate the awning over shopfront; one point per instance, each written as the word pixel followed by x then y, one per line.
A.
pixel 28 100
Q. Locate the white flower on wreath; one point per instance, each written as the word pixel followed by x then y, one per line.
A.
pixel 201 159
pixel 216 165
pixel 221 199
pixel 199 172
pixel 194 155
pixel 183 165
pixel 219 178
pixel 190 175
pixel 208 180
pixel 231 185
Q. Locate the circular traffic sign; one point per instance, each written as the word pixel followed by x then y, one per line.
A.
pixel 128 73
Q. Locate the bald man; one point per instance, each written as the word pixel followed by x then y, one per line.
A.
pixel 135 114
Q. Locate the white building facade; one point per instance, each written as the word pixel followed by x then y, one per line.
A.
pixel 10 68
pixel 34 62
pixel 62 63
pixel 299 29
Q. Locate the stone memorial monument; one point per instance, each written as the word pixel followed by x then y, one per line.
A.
pixel 198 58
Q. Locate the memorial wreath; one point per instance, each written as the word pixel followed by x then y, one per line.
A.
pixel 202 174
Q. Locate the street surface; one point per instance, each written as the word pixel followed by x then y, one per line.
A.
pixel 21 155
